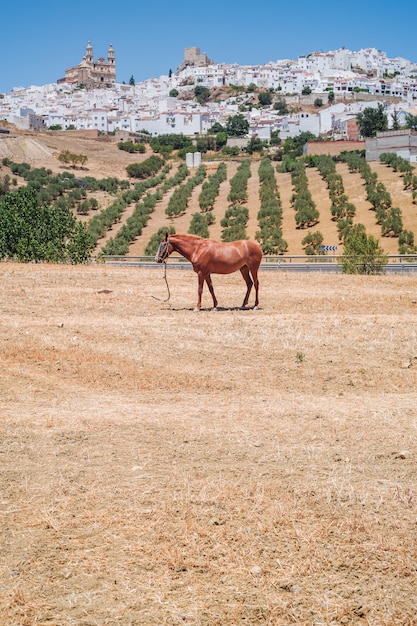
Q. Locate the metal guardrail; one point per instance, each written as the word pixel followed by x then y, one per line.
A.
pixel 397 263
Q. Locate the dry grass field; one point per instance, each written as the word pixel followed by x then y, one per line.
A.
pixel 161 466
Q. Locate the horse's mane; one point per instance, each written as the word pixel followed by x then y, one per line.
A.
pixel 186 236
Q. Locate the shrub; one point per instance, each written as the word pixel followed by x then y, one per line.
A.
pixel 147 168
pixel 362 254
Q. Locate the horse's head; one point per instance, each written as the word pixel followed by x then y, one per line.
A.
pixel 163 250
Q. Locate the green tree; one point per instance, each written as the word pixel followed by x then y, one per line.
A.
pixel 237 126
pixel 255 145
pixel 82 159
pixel 293 146
pixel 217 128
pixel 221 140
pixel 147 168
pixel 306 91
pixel 318 102
pixel 330 97
pixel 265 98
pixel 30 231
pixel 372 120
pixel 198 225
pixel 176 141
pixel 344 227
pixel 202 94
pixel 64 157
pixel 362 253
pixel 411 121
pixel 392 224
pixel 5 185
pixel 281 107
pixel 132 81
pixel 395 120
pixel 205 143
pixel 312 243
pixel 174 93
pixel 80 244
pixel 406 242
pixel 275 138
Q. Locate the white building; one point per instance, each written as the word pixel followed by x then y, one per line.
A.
pixel 148 105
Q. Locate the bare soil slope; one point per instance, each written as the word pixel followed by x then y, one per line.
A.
pixel 42 150
pixel 160 466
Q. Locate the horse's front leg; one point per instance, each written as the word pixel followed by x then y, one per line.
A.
pixel 200 290
pixel 210 286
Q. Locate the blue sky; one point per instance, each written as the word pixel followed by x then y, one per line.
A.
pixel 38 41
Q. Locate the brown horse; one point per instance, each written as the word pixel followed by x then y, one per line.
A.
pixel 211 257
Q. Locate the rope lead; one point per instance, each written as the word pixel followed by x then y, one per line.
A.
pixel 166 282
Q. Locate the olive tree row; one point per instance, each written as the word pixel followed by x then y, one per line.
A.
pixel 341 209
pixel 399 164
pixel 210 188
pixel 306 213
pixel 270 213
pixel 178 202
pixel 102 222
pixel 387 216
pixel 236 215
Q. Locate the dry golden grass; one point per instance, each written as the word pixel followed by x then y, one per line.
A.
pixel 161 466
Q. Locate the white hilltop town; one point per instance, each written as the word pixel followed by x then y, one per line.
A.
pixel 88 97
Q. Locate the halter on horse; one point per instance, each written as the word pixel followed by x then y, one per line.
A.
pixel 211 257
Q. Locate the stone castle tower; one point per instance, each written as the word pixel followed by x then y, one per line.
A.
pixel 92 74
pixel 192 57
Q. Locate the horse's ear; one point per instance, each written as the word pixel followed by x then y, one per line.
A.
pixel 166 236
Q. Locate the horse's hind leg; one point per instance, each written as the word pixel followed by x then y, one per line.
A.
pixel 256 283
pixel 245 273
pixel 211 288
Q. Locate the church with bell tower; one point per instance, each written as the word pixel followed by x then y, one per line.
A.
pixel 92 74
